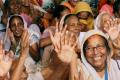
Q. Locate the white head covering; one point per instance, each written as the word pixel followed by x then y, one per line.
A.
pixel 97 22
pixel 25 25
pixel 29 63
pixel 31 32
pixel 90 69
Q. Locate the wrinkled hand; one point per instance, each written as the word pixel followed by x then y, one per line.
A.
pixel 5 60
pixel 63 43
pixel 113 28
pixel 25 42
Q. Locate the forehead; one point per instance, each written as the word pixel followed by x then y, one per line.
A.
pixel 16 19
pixel 72 19
pixel 104 16
pixel 95 39
pixel 83 12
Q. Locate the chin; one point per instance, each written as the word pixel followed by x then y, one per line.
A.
pixel 17 36
pixel 99 67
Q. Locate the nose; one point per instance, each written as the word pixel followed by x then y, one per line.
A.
pixel 95 50
pixel 17 28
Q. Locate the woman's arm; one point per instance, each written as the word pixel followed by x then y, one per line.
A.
pixel 18 69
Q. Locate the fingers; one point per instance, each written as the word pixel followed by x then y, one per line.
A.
pixel 75 44
pixel 66 38
pixel 71 41
pixel 106 26
pixel 57 28
pixel 1 45
pixel 54 42
pixel 25 39
pixel 61 23
pixel 2 51
pixel 51 37
pixel 111 23
pixel 62 38
pixel 9 56
pixel 64 29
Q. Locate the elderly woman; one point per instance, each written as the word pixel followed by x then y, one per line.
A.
pixel 96 63
pixel 101 21
pixel 15 32
pixel 84 12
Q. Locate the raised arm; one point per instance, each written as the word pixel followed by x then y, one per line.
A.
pixel 18 69
pixel 64 48
pixel 5 60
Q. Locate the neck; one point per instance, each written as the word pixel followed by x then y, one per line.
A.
pixel 17 39
pixel 101 73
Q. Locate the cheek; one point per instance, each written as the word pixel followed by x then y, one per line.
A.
pixel 89 58
pixel 69 27
pixel 89 55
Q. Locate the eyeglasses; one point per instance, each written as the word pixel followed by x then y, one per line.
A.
pixel 98 47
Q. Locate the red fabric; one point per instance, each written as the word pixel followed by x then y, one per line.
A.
pixel 107 8
pixel 40 2
pixel 101 3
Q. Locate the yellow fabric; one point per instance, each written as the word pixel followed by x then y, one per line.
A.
pixel 83 21
pixel 83 6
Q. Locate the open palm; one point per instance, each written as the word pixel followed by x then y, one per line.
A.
pixel 5 60
pixel 113 29
pixel 64 43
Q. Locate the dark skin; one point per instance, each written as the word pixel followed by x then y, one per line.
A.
pixel 45 42
pixel 18 69
pixel 1 4
pixel 16 30
pixel 51 72
pixel 60 65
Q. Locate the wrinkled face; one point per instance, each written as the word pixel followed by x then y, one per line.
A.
pixel 73 25
pixel 17 26
pixel 104 19
pixel 14 7
pixel 96 52
pixel 83 15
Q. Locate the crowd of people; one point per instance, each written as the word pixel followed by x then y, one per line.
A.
pixel 59 39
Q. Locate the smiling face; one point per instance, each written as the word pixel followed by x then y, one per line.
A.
pixel 14 7
pixel 73 25
pixel 16 26
pixel 96 52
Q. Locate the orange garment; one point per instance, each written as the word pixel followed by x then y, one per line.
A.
pixel 45 22
pixel 67 4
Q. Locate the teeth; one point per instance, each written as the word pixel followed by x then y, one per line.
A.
pixel 97 58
